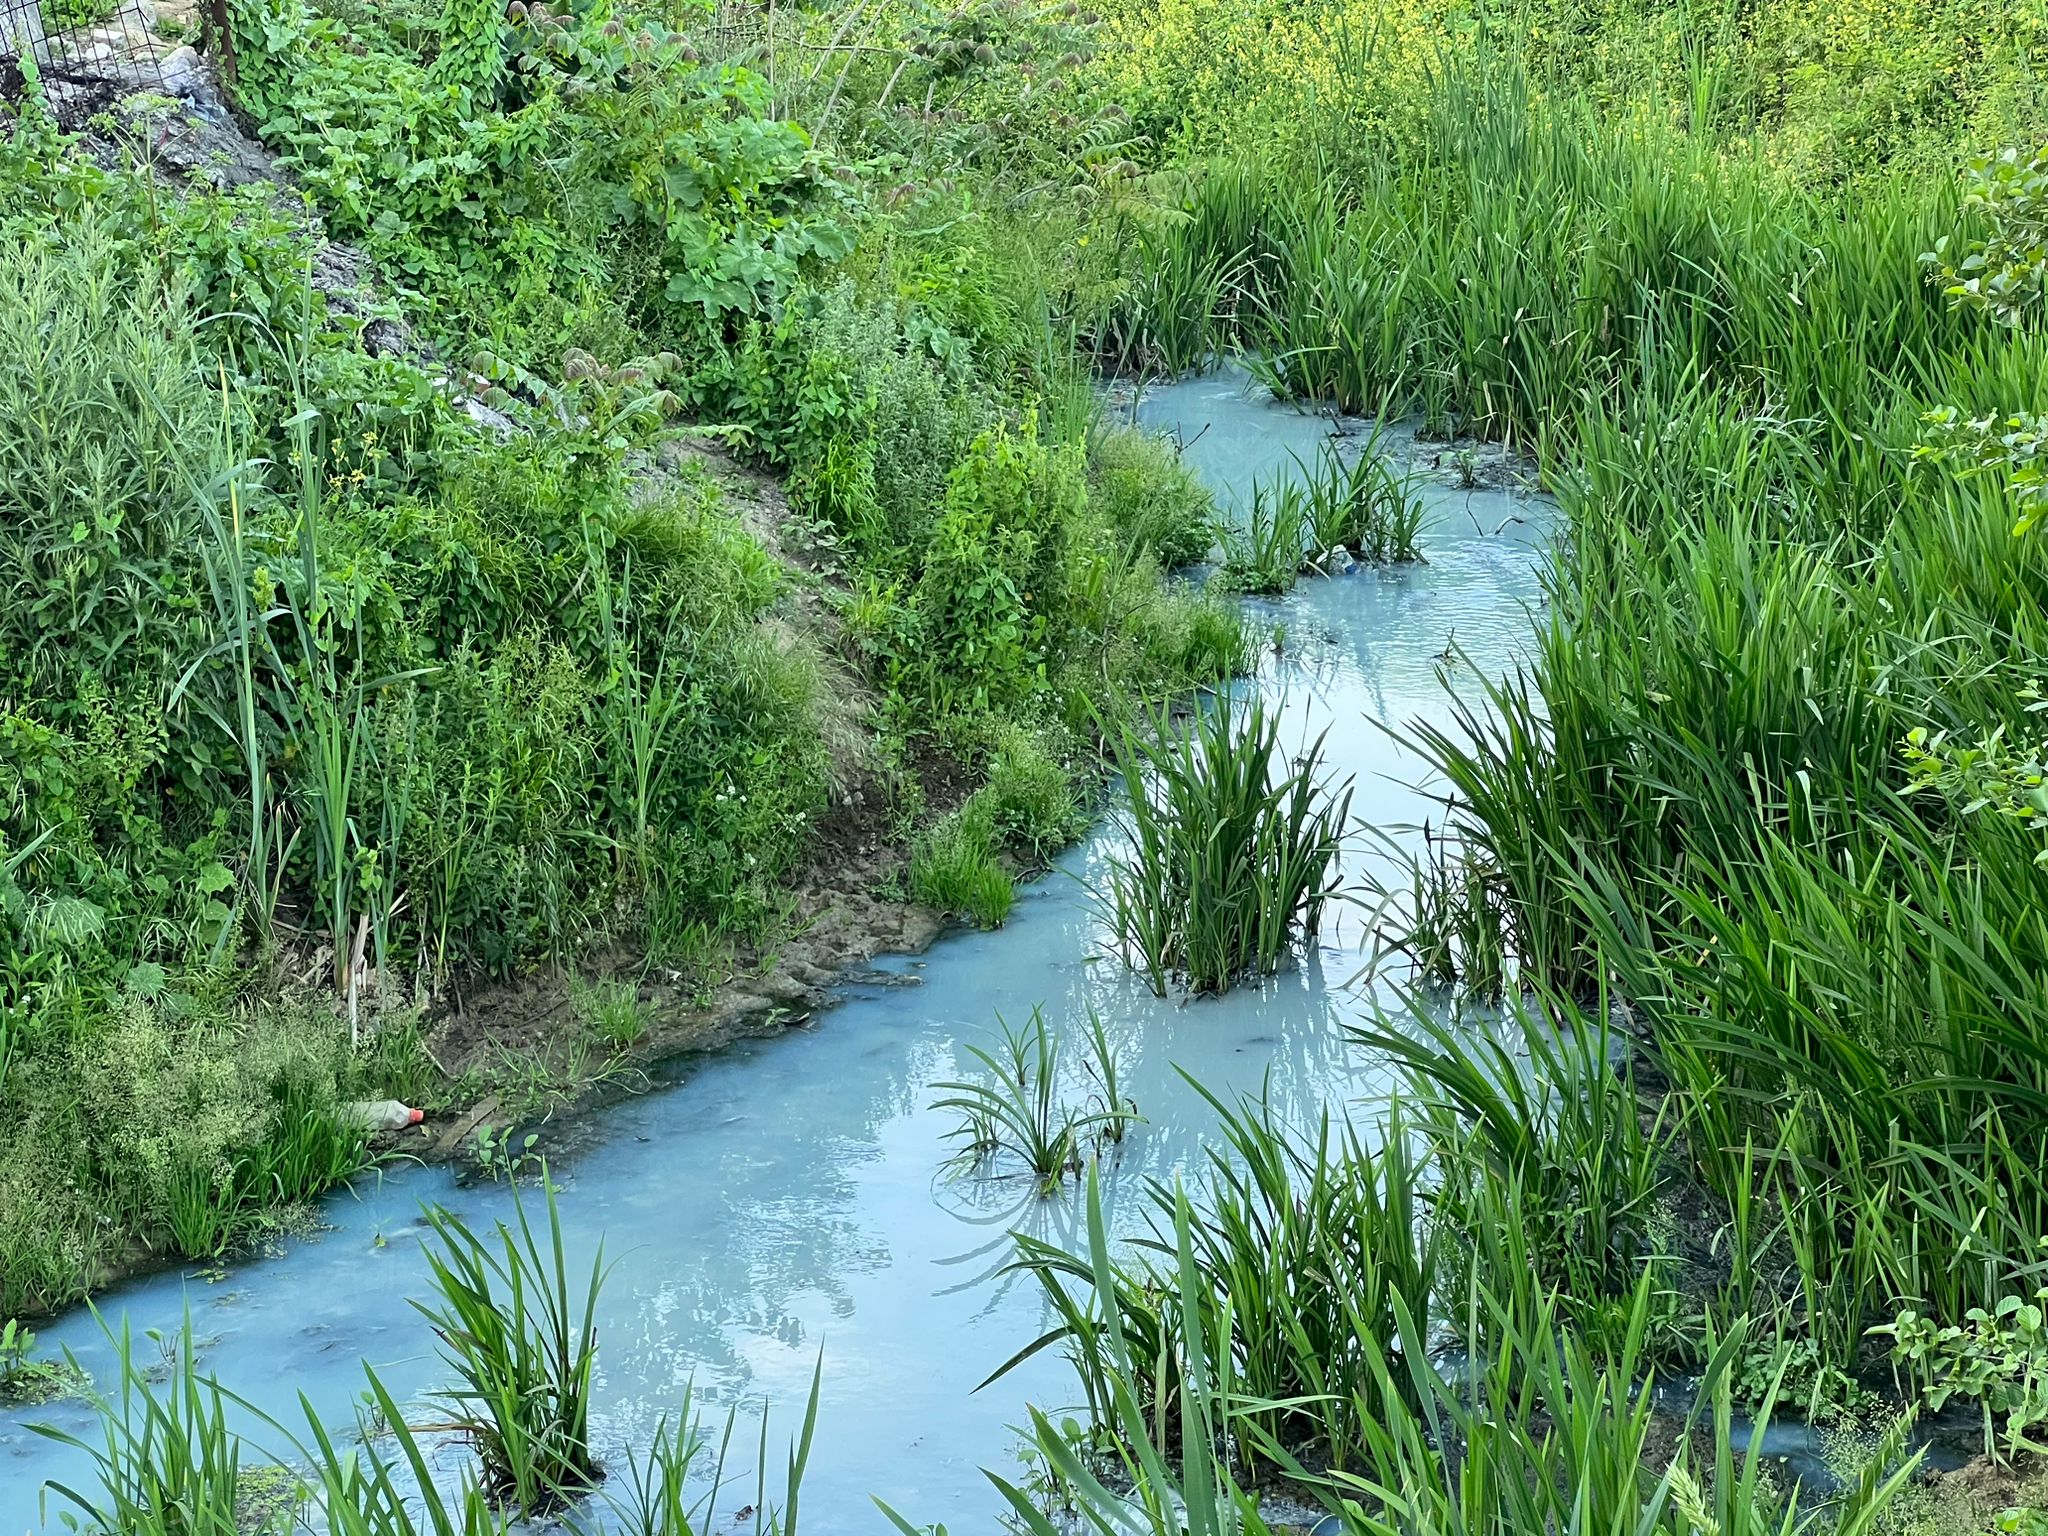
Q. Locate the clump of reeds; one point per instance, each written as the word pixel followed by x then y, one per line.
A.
pixel 1233 848
pixel 523 1343
pixel 1360 504
pixel 1356 504
pixel 1017 1107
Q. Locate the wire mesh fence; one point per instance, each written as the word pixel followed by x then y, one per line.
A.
pixel 89 52
pixel 85 51
pixel 733 33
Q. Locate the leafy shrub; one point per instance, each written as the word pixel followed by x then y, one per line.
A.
pixel 1140 487
pixel 868 406
pixel 991 601
pixel 472 51
pixel 461 188
pixel 196 1128
pixel 1141 637
pixel 53 1242
pixel 2006 273
pixel 1997 1358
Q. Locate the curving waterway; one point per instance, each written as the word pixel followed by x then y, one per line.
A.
pixel 782 1201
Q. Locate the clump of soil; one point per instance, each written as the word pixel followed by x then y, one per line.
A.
pixel 1987 1486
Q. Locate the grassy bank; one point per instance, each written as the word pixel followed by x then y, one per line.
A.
pixel 374 642
pixel 1767 792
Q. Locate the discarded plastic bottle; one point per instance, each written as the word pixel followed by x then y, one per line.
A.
pixel 382 1115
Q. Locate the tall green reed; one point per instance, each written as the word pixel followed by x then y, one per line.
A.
pixel 1540 1115
pixel 166 1462
pixel 643 706
pixel 1358 503
pixel 1263 553
pixel 523 1343
pixel 1193 1494
pixel 1233 848
pixel 1546 1431
pixel 1305 1249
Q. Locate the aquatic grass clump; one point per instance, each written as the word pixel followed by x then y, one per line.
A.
pixel 1360 505
pixel 1550 1167
pixel 382 1480
pixel 1318 1253
pixel 1549 1431
pixel 524 1346
pixel 215 1200
pixel 664 1494
pixel 1309 1251
pixel 1122 1483
pixel 1262 555
pixel 1018 1108
pixel 166 1462
pixel 1702 781
pixel 1341 320
pixel 178 1454
pixel 1454 924
pixel 1353 503
pixel 26 1379
pixel 1119 1108
pixel 1233 848
pixel 1169 321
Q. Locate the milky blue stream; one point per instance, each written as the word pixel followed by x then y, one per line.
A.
pixel 783 1199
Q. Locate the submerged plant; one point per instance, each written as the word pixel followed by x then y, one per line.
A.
pixel 523 1343
pixel 1233 848
pixel 664 1495
pixel 1017 1108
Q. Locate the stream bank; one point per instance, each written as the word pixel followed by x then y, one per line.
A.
pixel 783 1199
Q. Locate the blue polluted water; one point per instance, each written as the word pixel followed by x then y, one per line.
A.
pixel 783 1202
